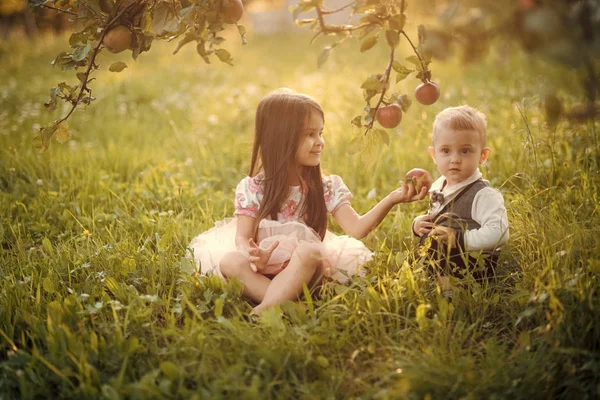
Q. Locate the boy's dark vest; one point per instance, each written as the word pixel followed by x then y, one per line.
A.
pixel 457 215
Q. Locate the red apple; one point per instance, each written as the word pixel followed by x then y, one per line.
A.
pixel 527 4
pixel 389 116
pixel 419 178
pixel 427 93
pixel 232 11
pixel 118 39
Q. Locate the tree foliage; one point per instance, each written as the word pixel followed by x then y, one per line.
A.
pixel 566 32
pixel 188 21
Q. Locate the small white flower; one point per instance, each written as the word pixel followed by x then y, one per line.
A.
pixel 39 182
pixel 372 193
pixel 213 119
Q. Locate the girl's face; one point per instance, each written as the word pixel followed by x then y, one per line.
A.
pixel 458 153
pixel 311 142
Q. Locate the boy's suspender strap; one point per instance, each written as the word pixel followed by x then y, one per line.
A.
pixel 458 196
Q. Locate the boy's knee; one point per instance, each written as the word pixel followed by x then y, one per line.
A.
pixel 231 264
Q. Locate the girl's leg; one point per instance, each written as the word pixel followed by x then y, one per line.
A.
pixel 287 285
pixel 235 265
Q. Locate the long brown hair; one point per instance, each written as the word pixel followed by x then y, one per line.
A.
pixel 281 119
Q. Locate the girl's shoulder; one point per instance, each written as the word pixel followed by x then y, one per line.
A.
pixel 333 182
pixel 251 184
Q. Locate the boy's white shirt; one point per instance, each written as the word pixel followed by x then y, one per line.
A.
pixel 487 210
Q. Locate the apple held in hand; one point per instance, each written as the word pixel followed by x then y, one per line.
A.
pixel 389 116
pixel 232 11
pixel 427 93
pixel 118 39
pixel 419 178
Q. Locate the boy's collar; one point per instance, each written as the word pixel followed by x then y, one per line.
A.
pixel 440 184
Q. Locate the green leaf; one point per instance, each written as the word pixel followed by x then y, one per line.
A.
pixel 224 56
pixel 51 105
pixel 81 52
pixel 147 24
pixel 218 307
pixel 112 285
pixel 63 133
pixel 373 83
pixel 401 70
pixel 169 369
pixel 110 393
pixel 323 56
pixel 217 40
pixel 415 60
pixel 190 36
pixel 421 316
pixel 371 19
pixel 404 101
pixel 184 12
pixel 368 43
pixel 48 285
pixel 202 51
pixel 300 8
pixel 47 246
pixel 78 38
pixel 397 22
pixel 43 140
pixel 117 66
pixel 355 145
pixel 392 37
pixel 385 137
pixel 306 21
pixel 357 121
pixel 163 19
pixel 322 361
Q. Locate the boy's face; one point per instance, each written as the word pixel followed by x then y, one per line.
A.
pixel 458 153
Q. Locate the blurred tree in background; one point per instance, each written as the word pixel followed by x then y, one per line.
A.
pixel 559 32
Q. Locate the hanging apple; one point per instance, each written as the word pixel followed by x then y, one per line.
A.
pixel 118 39
pixel 389 116
pixel 427 93
pixel 232 11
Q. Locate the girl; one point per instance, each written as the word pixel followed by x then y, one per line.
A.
pixel 279 240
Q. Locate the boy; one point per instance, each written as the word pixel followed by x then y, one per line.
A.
pixel 466 214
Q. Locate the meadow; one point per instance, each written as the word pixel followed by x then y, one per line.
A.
pixel 98 299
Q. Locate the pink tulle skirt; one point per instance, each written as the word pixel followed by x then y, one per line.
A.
pixel 342 255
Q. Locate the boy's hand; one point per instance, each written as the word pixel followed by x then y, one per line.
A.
pixel 444 235
pixel 423 225
pixel 406 194
pixel 259 257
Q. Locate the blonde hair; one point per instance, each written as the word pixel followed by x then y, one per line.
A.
pixel 461 118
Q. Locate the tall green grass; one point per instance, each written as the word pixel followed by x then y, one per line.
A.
pixel 97 299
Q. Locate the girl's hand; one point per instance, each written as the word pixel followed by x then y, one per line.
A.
pixel 406 194
pixel 423 225
pixel 259 257
pixel 444 235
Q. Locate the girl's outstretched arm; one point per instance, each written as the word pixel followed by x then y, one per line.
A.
pixel 359 226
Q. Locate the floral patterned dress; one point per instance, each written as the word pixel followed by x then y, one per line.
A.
pixel 342 255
